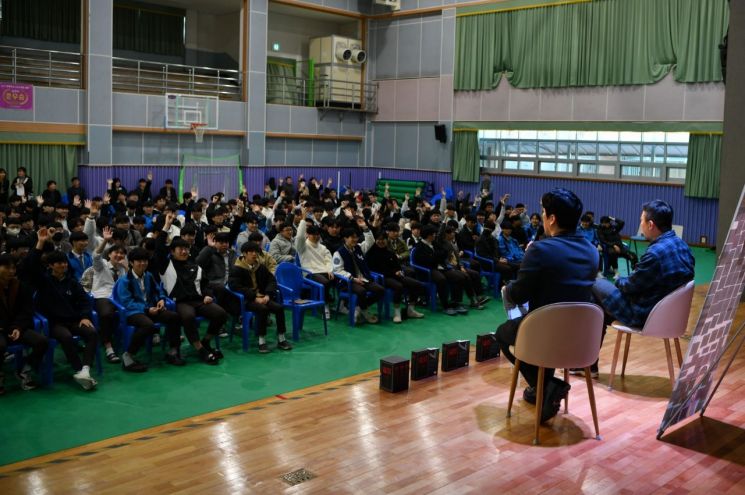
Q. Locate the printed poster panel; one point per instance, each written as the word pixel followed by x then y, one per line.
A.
pixel 16 96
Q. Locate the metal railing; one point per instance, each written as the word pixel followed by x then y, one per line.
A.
pixel 140 76
pixel 323 93
pixel 40 67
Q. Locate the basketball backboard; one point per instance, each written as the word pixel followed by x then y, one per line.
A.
pixel 183 110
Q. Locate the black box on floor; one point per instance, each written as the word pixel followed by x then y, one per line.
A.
pixel 424 363
pixel 394 373
pixel 455 354
pixel 486 346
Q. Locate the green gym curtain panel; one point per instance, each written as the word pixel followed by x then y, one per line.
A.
pixel 466 155
pixel 702 174
pixel 45 20
pixel 147 30
pixel 590 43
pixel 42 161
pixel 281 85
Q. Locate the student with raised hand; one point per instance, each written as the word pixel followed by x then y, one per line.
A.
pixel 16 323
pixel 105 274
pixel 259 287
pixel 143 300
pixel 62 300
pixel 315 257
pixel 184 283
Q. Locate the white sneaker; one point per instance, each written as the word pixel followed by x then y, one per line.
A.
pixel 396 315
pixel 411 312
pixel 616 276
pixel 343 310
pixel 156 339
pixel 83 377
pixel 357 315
pixel 369 317
pixel 327 311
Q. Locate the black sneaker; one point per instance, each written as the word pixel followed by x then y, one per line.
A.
pixel 217 352
pixel 113 358
pixel 529 395
pixel 175 360
pixel 135 367
pixel 450 312
pixel 284 346
pixel 476 305
pixel 556 391
pixel 208 357
pixel 264 349
pixel 461 310
pixel 27 381
pixel 481 300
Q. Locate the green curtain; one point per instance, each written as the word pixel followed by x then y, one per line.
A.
pixel 281 85
pixel 42 161
pixel 702 173
pixel 46 20
pixel 597 43
pixel 148 31
pixel 466 155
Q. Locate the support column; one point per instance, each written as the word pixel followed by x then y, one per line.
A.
pixel 257 33
pixel 99 94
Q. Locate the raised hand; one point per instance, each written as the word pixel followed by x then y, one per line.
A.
pixel 109 183
pixel 108 234
pixel 361 223
pixel 194 192
pixel 149 175
pixel 211 240
pixel 39 200
pixel 76 201
pixel 329 182
pixel 504 198
pixel 406 196
pixel 418 191
pixel 106 198
pixel 43 235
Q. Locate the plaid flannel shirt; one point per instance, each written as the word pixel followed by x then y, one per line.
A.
pixel 666 265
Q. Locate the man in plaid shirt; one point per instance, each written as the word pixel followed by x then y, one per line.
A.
pixel 666 265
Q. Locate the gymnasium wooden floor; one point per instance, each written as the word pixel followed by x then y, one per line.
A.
pixel 446 435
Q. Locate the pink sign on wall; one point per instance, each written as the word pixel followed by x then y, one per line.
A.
pixel 17 96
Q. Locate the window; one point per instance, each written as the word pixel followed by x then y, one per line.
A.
pixel 623 155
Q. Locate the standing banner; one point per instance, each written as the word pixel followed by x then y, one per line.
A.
pixel 16 96
pixel 709 339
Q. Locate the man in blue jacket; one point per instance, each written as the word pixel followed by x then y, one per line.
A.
pixel 144 305
pixel 558 268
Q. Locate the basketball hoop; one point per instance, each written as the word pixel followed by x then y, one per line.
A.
pixel 198 129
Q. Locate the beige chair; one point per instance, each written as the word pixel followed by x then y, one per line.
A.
pixel 561 335
pixel 667 320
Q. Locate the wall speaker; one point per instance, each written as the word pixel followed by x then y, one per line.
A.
pixel 441 133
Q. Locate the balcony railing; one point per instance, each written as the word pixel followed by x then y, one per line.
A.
pixel 40 67
pixel 322 93
pixel 140 76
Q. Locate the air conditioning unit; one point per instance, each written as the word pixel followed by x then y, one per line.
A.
pixel 338 69
pixel 392 4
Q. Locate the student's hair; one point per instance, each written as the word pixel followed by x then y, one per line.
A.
pixel 381 235
pixel 50 182
pixel 585 218
pixel 222 237
pixel 138 254
pixel 56 257
pixel 428 231
pixel 120 234
pixel 78 236
pixel 535 215
pixel 313 230
pixel 121 219
pixel 188 229
pixel 391 227
pixel 660 213
pixel 520 205
pixel 250 246
pixel 178 242
pixel 116 248
pixel 470 218
pixel 254 237
pixel 415 225
pixel 506 225
pixel 564 205
pixel 169 181
pixel 490 225
pixel 7 260
pixel 604 219
pixel 138 220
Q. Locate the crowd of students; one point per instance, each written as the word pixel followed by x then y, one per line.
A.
pixel 164 260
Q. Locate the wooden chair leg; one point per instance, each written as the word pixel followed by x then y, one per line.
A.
pixel 591 393
pixel 679 352
pixel 513 386
pixel 626 354
pixel 619 336
pixel 566 400
pixel 538 405
pixel 670 368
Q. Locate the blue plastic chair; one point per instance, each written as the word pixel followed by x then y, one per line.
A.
pixel 426 273
pixel 47 372
pixel 291 284
pixel 127 331
pixel 491 275
pixel 246 319
pixel 384 309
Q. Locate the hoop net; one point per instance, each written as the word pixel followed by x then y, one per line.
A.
pixel 198 129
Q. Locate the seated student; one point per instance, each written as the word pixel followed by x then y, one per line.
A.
pixel 16 323
pixel 264 257
pixel 443 277
pixel 184 283
pixel 349 261
pixel 609 234
pixel 330 234
pixel 62 300
pixel 105 274
pixel 75 189
pixel 252 227
pixel 488 247
pixel 380 258
pixel 282 248
pixel 533 228
pixel 315 258
pixel 590 233
pixel 51 194
pixel 144 305
pixel 216 259
pixel 259 287
pixel 509 249
pixel 79 258
pixel 447 250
